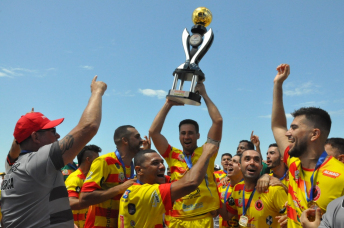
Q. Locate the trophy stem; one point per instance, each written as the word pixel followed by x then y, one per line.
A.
pixel 193 83
pixel 181 84
pixel 175 81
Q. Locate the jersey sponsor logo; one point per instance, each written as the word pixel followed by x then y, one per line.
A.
pixel 156 199
pixel 7 184
pixel 14 167
pixel 222 195
pixel 181 157
pixel 121 221
pixel 329 173
pixel 117 165
pixel 126 194
pixel 191 207
pixel 269 220
pixel 131 208
pixel 259 205
pixel 193 195
pixel 239 202
pixel 121 177
pixel 89 175
pixel 132 223
pixel 77 189
pixel 297 172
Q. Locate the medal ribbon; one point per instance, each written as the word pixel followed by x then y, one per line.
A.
pixel 319 163
pixel 25 152
pixel 123 166
pixel 189 164
pixel 284 175
pixel 139 182
pixel 226 192
pixel 248 202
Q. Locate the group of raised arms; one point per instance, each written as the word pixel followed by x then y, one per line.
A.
pixel 300 184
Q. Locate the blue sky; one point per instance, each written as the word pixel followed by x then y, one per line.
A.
pixel 50 51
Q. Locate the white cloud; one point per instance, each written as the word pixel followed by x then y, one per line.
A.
pixel 301 89
pixel 87 67
pixel 161 94
pixel 269 116
pixel 4 75
pixel 312 103
pixel 127 93
pixel 337 113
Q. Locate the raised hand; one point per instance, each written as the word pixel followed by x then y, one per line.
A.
pixel 98 86
pixel 200 88
pixel 283 71
pixel 255 140
pixel 146 144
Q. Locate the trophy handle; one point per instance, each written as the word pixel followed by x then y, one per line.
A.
pixel 207 42
pixel 185 40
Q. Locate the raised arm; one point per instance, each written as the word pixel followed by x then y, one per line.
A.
pixel 215 132
pixel 88 125
pixel 160 142
pixel 194 177
pixel 278 118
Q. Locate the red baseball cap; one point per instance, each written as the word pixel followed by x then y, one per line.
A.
pixel 33 121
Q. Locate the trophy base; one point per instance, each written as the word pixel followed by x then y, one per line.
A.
pixel 184 97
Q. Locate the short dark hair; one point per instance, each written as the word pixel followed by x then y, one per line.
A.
pixel 189 121
pixel 121 132
pixel 319 117
pixel 273 145
pixel 261 158
pixel 139 157
pixel 337 143
pixel 84 152
pixel 249 144
pixel 226 154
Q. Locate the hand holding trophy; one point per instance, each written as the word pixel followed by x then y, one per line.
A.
pixel 200 41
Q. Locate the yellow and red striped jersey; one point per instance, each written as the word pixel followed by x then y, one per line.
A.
pixel 219 175
pixel 144 205
pixel 328 180
pixel 285 180
pixel 205 198
pixel 106 171
pixel 74 184
pixel 222 191
pixel 264 207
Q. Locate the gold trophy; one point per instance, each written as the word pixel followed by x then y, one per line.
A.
pixel 199 42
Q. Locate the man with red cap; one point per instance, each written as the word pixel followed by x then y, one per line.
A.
pixel 33 193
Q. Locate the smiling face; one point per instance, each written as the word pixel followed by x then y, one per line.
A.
pixel 152 170
pixel 251 165
pixel 299 135
pixel 234 168
pixel 188 138
pixel 273 158
pixel 225 161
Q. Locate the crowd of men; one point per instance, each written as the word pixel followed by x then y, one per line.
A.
pixel 301 183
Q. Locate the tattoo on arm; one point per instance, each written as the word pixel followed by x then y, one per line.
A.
pixel 66 143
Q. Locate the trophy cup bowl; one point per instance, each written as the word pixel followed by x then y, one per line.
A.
pixel 199 42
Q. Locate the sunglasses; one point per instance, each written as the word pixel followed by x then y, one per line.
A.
pixel 53 130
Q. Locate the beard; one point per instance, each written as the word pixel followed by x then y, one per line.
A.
pixel 275 163
pixel 134 148
pixel 298 149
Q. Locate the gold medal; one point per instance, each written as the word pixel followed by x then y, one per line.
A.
pixel 243 221
pixel 312 205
